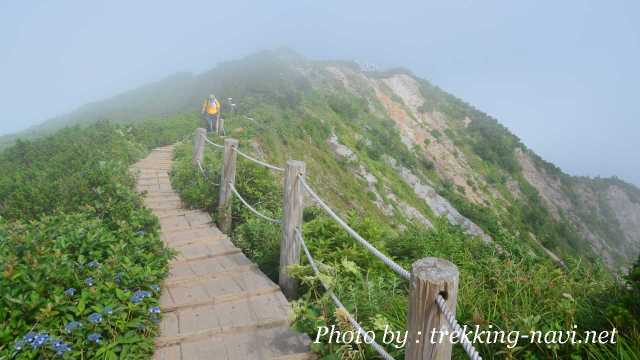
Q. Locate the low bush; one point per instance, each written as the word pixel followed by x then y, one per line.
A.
pixel 80 256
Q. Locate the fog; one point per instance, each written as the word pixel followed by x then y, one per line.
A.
pixel 563 75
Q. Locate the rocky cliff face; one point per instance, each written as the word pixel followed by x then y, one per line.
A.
pixel 604 214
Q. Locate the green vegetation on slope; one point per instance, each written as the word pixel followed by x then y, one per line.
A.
pixel 80 255
pixel 509 290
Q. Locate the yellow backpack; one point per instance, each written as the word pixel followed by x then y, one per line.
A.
pixel 212 107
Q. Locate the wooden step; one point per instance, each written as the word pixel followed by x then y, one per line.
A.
pixel 204 249
pixel 208 291
pixel 279 343
pixel 191 235
pixel 243 315
pixel 184 271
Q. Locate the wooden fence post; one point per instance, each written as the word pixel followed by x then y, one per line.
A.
pixel 430 277
pixel 198 146
pixel 227 178
pixel 221 131
pixel 291 220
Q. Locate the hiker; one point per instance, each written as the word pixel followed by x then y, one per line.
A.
pixel 211 112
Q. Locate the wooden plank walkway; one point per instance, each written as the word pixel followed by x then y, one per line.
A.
pixel 216 303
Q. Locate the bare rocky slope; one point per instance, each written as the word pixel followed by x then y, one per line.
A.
pixel 406 151
pixel 604 213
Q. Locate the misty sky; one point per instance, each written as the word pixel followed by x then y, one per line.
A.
pixel 562 75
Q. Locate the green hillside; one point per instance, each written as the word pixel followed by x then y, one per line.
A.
pixel 415 170
pixel 163 98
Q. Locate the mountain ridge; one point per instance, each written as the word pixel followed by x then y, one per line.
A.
pixel 450 150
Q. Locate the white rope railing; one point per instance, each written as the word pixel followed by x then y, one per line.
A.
pixel 453 323
pixel 265 217
pixel 440 301
pixel 201 169
pixel 273 167
pixel 368 339
pixel 204 173
pixel 212 143
pixel 392 264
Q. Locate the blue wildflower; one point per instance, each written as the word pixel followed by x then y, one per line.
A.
pixel 93 264
pixel 89 281
pixel 70 292
pixel 155 288
pixel 72 325
pixel 108 310
pixel 29 337
pixel 139 296
pixel 140 233
pixel 60 347
pixel 95 318
pixel 155 310
pixel 19 345
pixel 40 339
pixel 94 337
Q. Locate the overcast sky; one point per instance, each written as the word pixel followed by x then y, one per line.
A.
pixel 562 75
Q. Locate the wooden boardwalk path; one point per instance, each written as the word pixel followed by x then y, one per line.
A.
pixel 216 303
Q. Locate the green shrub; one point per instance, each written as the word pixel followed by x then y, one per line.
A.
pixel 43 259
pixel 70 219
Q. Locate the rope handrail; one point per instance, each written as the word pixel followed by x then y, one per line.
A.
pixel 212 143
pixel 392 264
pixel 265 217
pixel 449 316
pixel 204 173
pixel 201 169
pixel 273 167
pixel 453 323
pixel 368 339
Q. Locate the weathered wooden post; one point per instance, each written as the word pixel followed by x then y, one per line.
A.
pixel 221 127
pixel 227 178
pixel 198 146
pixel 430 277
pixel 292 220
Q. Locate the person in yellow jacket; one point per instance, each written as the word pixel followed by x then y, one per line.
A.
pixel 211 112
